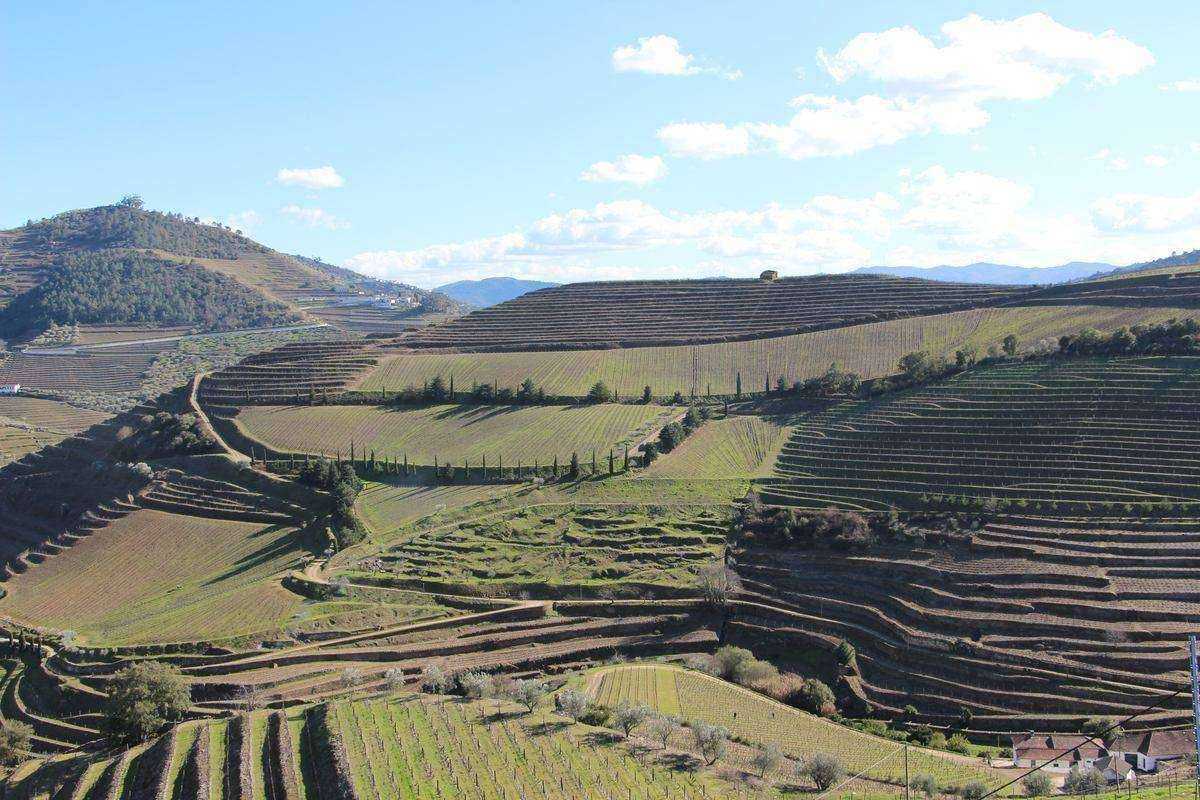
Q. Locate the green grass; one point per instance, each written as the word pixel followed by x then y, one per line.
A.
pixel 870 350
pixel 387 508
pixel 563 550
pixel 410 748
pixel 754 718
pixel 452 433
pixel 734 447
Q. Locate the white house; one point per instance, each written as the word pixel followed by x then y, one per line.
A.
pixel 1115 769
pixel 10 388
pixel 1146 751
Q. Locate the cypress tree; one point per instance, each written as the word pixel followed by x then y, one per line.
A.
pixel 739 385
pixel 611 467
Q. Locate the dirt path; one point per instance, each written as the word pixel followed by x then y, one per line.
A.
pixel 78 348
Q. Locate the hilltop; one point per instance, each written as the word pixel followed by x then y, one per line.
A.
pixel 124 264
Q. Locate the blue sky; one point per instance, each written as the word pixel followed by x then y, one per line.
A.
pixel 429 142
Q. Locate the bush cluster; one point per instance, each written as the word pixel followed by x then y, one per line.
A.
pixel 134 288
pixel 343 485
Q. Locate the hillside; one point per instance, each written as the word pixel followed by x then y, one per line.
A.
pixel 402 744
pixel 75 251
pixel 490 291
pixel 128 287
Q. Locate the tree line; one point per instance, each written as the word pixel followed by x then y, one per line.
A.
pixel 126 287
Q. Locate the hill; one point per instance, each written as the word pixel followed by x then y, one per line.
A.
pixel 75 251
pixel 640 313
pixel 131 288
pixel 490 291
pixel 402 744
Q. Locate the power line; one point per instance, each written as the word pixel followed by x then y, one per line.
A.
pixel 1100 736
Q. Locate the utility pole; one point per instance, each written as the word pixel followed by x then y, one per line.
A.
pixel 1195 702
pixel 907 782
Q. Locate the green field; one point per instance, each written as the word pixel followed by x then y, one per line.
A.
pixel 755 718
pixel 410 749
pixel 563 551
pixel 452 433
pixel 724 448
pixel 870 350
pixel 389 507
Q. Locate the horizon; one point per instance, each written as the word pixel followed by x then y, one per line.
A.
pixel 604 145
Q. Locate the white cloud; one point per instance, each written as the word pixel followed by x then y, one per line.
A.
pixel 706 140
pixel 1156 160
pixel 631 168
pixel 661 55
pixel 1110 160
pixel 1027 58
pixel 315 178
pixel 314 217
pixel 938 216
pixel 935 88
pixel 1190 85
pixel 241 221
pixel 1143 213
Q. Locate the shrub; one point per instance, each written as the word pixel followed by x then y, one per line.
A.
pixel 15 738
pixel 728 658
pixel 973 790
pixel 925 784
pixel 572 703
pixel 958 744
pixel 1037 784
pixel 144 697
pixel 435 679
pixel 529 693
pixel 629 716
pixel 476 685
pixel 767 759
pixel 712 740
pixel 1088 782
pixel 596 715
pixel 817 696
pixel 663 727
pixel 845 653
pixel 755 673
pixel 599 393
pixel 825 770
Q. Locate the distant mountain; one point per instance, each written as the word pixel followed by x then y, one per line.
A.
pixel 490 291
pixel 983 272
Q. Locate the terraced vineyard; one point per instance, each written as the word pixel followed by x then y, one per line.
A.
pixel 394 747
pixel 1026 621
pixel 563 551
pixel 115 585
pixel 636 313
pixel 871 350
pixel 754 718
pixel 452 433
pixel 1062 435
pixel 28 424
pixel 388 507
pixel 724 448
pixel 299 372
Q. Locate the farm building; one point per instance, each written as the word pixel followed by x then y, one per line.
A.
pixel 1146 750
pixel 1034 749
pixel 1115 769
pixel 1143 752
pixel 10 388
